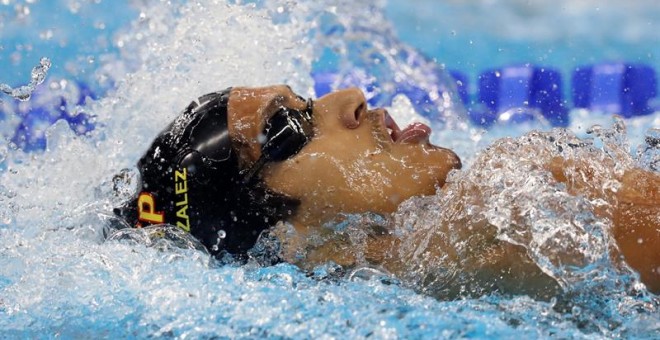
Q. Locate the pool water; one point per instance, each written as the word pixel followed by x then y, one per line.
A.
pixel 121 71
pixel 483 34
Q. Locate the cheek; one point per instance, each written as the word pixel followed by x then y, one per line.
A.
pixel 322 167
pixel 332 171
pixel 350 172
pixel 336 184
pixel 350 179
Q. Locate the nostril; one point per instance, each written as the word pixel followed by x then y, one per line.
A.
pixel 358 112
pixel 350 106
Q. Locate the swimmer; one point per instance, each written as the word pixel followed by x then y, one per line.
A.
pixel 247 162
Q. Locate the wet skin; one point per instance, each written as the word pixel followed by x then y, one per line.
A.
pixel 352 164
pixel 355 164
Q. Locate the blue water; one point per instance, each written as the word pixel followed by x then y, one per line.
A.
pixel 75 35
pixel 142 63
pixel 484 34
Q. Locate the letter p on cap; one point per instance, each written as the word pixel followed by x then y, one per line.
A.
pixel 147 209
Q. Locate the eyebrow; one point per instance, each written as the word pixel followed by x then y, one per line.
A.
pixel 277 102
pixel 273 105
pixel 302 99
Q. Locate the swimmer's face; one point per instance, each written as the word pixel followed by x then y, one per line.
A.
pixel 357 161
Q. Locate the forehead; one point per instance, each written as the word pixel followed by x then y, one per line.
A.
pixel 261 97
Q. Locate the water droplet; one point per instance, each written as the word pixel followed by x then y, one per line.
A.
pixel 46 35
pixel 576 310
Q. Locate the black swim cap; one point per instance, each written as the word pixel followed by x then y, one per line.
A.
pixel 191 178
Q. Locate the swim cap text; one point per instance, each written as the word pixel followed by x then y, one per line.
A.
pixel 181 191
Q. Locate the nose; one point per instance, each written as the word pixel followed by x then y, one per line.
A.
pixel 350 105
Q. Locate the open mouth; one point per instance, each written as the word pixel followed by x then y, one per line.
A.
pixel 413 133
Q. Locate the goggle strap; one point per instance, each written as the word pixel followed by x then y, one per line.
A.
pixel 256 167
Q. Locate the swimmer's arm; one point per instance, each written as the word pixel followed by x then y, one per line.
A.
pixel 636 213
pixel 477 255
pixel 378 249
pixel 637 224
pixel 493 265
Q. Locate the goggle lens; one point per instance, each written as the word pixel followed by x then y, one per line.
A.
pixel 287 132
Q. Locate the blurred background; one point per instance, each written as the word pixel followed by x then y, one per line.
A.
pixel 466 35
pixel 473 35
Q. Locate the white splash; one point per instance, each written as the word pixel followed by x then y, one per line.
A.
pixel 37 77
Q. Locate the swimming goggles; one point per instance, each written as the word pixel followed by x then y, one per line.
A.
pixel 286 132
